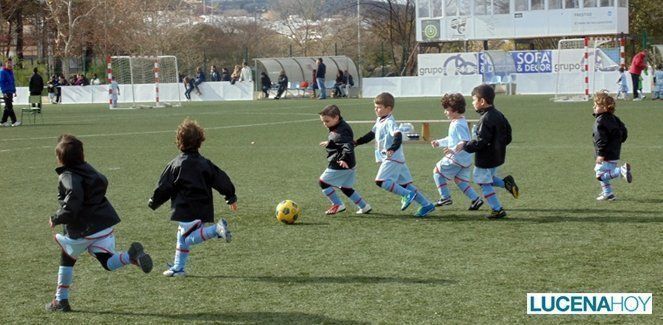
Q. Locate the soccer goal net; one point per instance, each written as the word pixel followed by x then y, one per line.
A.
pixel 576 64
pixel 144 81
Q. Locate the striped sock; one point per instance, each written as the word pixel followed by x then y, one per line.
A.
pixel 610 174
pixel 606 188
pixel 65 279
pixel 491 197
pixel 330 192
pixel 392 187
pixel 441 183
pixel 357 199
pixel 466 188
pixel 420 198
pixel 181 253
pixel 498 182
pixel 117 261
pixel 200 235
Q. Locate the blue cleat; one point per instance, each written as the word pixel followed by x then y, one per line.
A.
pixel 407 200
pixel 425 210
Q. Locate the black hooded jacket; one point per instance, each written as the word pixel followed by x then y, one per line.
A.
pixel 493 134
pixel 341 146
pixel 609 133
pixel 187 181
pixel 84 209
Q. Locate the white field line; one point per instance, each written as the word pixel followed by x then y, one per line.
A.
pixel 163 131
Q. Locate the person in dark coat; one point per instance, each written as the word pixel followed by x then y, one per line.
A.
pixel 36 85
pixel 492 135
pixel 87 218
pixel 283 84
pixel 265 84
pixel 187 181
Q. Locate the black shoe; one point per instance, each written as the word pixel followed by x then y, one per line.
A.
pixel 59 305
pixel 138 256
pixel 510 185
pixel 443 201
pixel 476 204
pixel 499 214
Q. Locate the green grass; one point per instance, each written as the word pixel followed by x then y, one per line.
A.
pixel 386 267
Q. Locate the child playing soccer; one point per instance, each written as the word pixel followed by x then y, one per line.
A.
pixel 340 172
pixel 658 82
pixel 88 219
pixel 492 135
pixel 115 92
pixel 456 162
pixel 623 84
pixel 609 133
pixel 393 174
pixel 187 181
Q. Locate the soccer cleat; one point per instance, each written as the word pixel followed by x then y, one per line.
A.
pixel 59 305
pixel 365 210
pixel 336 208
pixel 510 185
pixel 138 256
pixel 407 200
pixel 222 230
pixel 626 172
pixel 425 210
pixel 443 201
pixel 497 214
pixel 174 273
pixel 476 204
pixel 603 197
pixel 17 123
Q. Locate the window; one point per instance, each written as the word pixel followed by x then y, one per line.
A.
pixel 481 7
pixel 554 4
pixel 436 8
pixel 464 7
pixel 538 5
pixel 423 8
pixel 589 3
pixel 450 7
pixel 623 3
pixel 606 3
pixel 521 5
pixel 569 4
pixel 500 7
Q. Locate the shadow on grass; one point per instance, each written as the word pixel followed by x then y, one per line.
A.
pixel 234 317
pixel 357 279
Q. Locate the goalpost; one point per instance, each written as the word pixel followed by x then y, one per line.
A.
pixel 144 81
pixel 576 64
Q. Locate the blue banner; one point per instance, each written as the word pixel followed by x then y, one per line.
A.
pixel 533 61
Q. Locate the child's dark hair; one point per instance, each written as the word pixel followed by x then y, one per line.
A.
pixel 621 69
pixel 484 91
pixel 603 99
pixel 385 99
pixel 331 111
pixel 659 67
pixel 69 150
pixel 190 135
pixel 455 102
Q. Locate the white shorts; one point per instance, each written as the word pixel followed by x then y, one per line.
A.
pixel 452 171
pixel 100 242
pixel 396 171
pixel 339 177
pixel 484 175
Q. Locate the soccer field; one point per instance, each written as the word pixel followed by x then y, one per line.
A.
pixel 454 266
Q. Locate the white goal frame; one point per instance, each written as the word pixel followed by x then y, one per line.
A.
pixel 143 81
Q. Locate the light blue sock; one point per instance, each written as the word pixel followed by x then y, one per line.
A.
pixel 358 200
pixel 441 183
pixel 117 261
pixel 499 182
pixel 392 187
pixel 181 253
pixel 611 174
pixel 606 188
pixel 65 279
pixel 467 189
pixel 330 192
pixel 491 197
pixel 420 198
pixel 200 235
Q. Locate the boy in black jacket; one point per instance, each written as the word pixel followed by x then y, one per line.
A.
pixel 187 182
pixel 492 135
pixel 341 156
pixel 88 219
pixel 609 133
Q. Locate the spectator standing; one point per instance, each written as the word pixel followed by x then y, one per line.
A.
pixel 36 85
pixel 349 82
pixel 283 84
pixel 236 74
pixel 321 71
pixel 51 89
pixel 246 74
pixel 95 80
pixel 200 78
pixel 8 88
pixel 638 64
pixel 266 84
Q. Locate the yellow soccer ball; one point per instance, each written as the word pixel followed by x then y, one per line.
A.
pixel 288 212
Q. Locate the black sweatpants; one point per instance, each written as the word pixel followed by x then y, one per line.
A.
pixel 9 108
pixel 636 82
